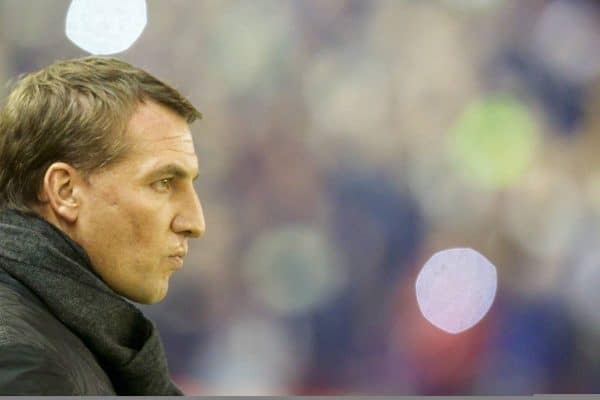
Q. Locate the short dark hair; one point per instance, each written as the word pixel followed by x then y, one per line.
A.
pixel 74 111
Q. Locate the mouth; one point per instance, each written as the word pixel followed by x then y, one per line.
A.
pixel 177 261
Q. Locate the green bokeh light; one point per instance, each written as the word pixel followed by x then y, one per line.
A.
pixel 494 142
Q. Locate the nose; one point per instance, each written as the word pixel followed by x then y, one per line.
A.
pixel 190 220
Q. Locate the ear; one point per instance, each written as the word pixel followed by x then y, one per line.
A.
pixel 61 191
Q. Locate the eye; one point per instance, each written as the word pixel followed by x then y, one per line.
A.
pixel 163 185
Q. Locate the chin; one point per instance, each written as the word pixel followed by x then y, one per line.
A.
pixel 146 298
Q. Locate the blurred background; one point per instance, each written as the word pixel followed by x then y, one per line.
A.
pixel 343 143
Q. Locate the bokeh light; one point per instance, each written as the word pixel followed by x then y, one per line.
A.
pixel 456 288
pixel 107 26
pixel 292 270
pixel 353 83
pixel 247 42
pixel 252 356
pixel 494 141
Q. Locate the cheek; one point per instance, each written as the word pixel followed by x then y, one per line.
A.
pixel 133 220
pixel 146 225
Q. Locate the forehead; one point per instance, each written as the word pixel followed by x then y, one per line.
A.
pixel 157 134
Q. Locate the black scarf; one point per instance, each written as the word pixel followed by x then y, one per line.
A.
pixel 59 272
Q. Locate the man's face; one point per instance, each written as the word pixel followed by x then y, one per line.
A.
pixel 137 215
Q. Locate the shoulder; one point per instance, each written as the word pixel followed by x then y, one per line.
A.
pixel 29 362
pixel 23 319
pixel 29 370
pixel 38 354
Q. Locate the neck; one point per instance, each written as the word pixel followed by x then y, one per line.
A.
pixel 46 212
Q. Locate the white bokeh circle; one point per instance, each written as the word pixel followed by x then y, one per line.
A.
pixel 106 26
pixel 456 288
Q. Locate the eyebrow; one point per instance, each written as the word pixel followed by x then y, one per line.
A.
pixel 175 170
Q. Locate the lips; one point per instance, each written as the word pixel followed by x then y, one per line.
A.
pixel 177 256
pixel 177 261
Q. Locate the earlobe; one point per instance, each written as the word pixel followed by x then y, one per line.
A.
pixel 60 191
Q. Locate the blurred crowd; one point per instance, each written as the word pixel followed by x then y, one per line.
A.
pixel 343 143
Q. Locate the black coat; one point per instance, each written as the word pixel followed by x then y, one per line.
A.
pixel 38 354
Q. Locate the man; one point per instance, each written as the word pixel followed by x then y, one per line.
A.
pixel 96 205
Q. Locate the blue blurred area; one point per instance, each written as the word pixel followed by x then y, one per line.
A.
pixel 329 175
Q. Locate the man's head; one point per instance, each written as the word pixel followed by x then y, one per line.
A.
pixel 103 150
